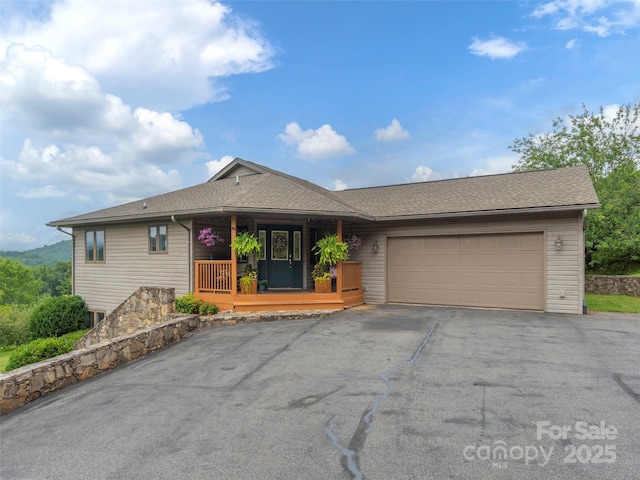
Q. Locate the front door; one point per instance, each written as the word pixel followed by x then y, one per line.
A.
pixel 281 259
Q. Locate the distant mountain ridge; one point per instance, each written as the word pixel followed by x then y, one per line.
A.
pixel 47 255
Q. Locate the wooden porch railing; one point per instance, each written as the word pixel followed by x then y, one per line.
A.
pixel 213 276
pixel 351 276
pixel 214 283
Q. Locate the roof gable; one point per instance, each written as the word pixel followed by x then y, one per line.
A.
pixel 238 168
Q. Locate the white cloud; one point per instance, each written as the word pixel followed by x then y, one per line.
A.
pixel 571 44
pixel 48 191
pixel 56 106
pixel 80 168
pixel 392 133
pixel 214 166
pixel 422 174
pixel 47 96
pixel 10 240
pixel 495 165
pixel 163 55
pixel 45 91
pixel 602 17
pixel 496 47
pixel 339 184
pixel 317 144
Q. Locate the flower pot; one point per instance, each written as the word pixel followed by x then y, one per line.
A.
pixel 323 286
pixel 253 288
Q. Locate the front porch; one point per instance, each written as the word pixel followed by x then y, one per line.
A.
pixel 215 282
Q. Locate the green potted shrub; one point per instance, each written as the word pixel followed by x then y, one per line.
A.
pixel 263 285
pixel 321 278
pixel 249 280
pixel 331 251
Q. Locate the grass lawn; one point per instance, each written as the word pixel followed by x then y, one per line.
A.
pixel 612 303
pixel 4 357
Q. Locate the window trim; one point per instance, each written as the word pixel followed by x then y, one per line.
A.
pixel 92 317
pixel 157 239
pixel 94 244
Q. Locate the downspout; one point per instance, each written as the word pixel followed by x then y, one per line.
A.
pixel 73 258
pixel 173 219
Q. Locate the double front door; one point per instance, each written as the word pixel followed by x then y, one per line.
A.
pixel 281 256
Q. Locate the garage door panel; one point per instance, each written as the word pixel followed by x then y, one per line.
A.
pixel 494 270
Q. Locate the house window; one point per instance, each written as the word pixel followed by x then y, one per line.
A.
pixel 95 317
pixel 158 239
pixel 94 246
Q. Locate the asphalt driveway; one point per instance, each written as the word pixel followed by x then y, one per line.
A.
pixel 372 392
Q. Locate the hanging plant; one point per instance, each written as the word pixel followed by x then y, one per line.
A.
pixel 209 238
pixel 245 243
pixel 331 250
pixel 354 242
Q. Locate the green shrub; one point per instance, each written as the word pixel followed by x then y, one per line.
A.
pixel 14 324
pixel 57 316
pixel 38 350
pixel 208 309
pixel 190 304
pixel 43 348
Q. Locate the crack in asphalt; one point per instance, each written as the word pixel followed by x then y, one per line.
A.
pixel 626 388
pixel 350 455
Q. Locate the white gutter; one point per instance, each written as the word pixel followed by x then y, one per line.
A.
pixel 173 219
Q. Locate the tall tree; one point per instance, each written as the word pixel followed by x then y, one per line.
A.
pixel 18 284
pixel 608 143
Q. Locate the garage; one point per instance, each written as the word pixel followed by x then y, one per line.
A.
pixel 490 270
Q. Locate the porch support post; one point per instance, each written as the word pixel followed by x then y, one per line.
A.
pixel 339 266
pixel 234 260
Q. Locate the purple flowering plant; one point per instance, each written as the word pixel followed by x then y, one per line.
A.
pixel 209 238
pixel 353 241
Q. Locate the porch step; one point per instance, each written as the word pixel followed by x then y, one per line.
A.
pixel 290 304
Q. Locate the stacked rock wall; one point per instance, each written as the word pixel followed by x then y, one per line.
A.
pixel 147 306
pixel 612 285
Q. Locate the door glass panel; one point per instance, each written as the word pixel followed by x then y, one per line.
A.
pixel 296 245
pixel 262 238
pixel 279 245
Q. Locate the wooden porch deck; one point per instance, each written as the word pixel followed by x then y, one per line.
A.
pixel 214 284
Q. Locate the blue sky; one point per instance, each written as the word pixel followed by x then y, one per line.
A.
pixel 112 101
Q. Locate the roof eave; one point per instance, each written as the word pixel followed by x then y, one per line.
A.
pixel 209 211
pixel 486 213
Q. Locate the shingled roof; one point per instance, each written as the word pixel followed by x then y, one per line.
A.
pixel 560 189
pixel 244 187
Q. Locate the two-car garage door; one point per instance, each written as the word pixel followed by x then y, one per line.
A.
pixel 493 270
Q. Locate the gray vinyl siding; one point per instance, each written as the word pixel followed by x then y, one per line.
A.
pixel 129 265
pixel 564 268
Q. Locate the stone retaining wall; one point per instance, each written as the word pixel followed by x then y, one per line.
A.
pixel 30 382
pixel 612 285
pixel 147 306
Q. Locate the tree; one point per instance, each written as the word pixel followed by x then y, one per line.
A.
pixel 608 143
pixel 18 284
pixel 55 280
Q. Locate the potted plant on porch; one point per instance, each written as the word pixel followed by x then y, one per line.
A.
pixel 331 251
pixel 249 280
pixel 244 245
